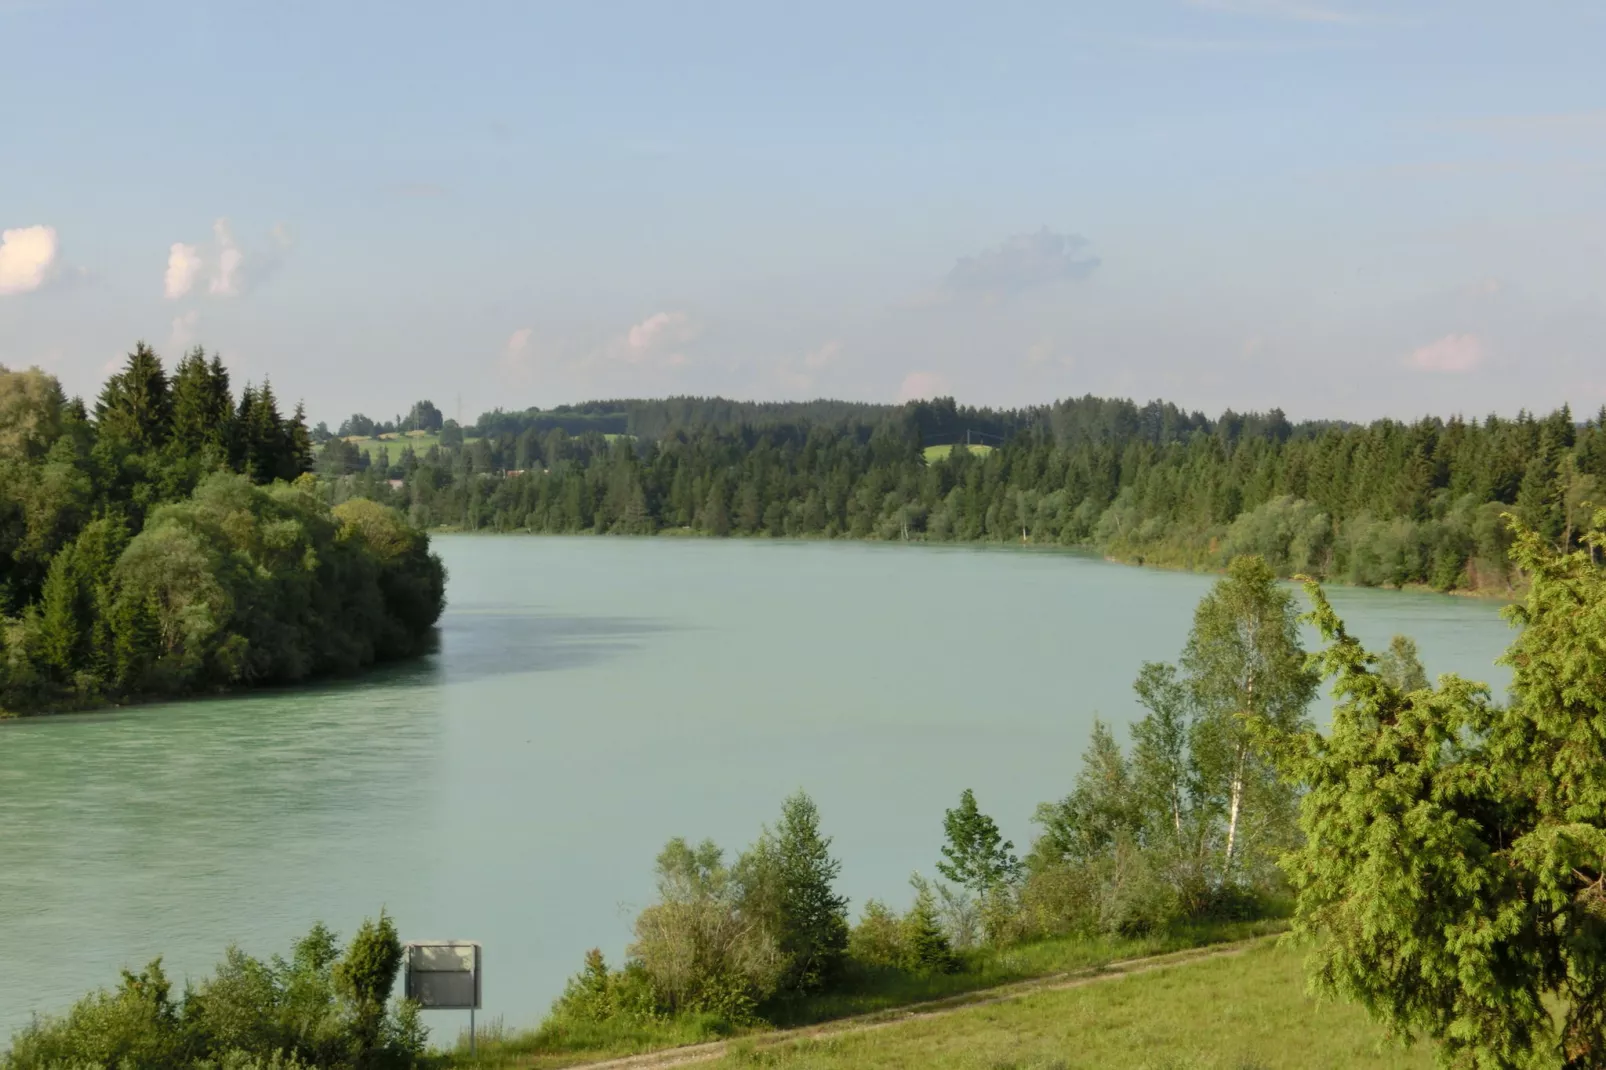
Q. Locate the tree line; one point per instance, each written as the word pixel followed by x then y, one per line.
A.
pixel 1389 503
pixel 170 540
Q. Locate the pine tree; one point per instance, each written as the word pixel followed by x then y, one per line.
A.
pixel 925 946
pixel 61 619
pixel 202 407
pixel 135 639
pixel 298 448
pixel 135 406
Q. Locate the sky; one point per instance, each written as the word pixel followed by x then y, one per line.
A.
pixel 1342 209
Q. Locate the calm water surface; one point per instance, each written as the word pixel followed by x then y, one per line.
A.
pixel 592 698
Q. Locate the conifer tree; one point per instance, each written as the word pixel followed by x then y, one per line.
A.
pixel 1451 876
pixel 61 631
pixel 926 947
pixel 135 405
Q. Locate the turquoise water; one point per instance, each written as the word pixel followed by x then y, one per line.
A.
pixel 592 698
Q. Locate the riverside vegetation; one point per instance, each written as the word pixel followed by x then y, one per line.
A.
pixel 1442 854
pixel 171 541
pixel 1390 503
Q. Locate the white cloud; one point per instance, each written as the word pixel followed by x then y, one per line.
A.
pixel 223 263
pixel 660 329
pixel 226 280
pixel 917 386
pixel 1453 353
pixel 27 256
pixel 182 334
pixel 183 268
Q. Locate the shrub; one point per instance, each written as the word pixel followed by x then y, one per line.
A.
pixel 249 1015
pixel 878 939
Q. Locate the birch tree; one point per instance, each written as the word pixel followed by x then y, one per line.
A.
pixel 1246 670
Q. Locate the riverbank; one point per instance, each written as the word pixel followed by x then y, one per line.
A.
pixel 1504 593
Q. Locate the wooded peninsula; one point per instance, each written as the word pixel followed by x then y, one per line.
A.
pixel 169 541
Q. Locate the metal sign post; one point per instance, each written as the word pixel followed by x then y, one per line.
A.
pixel 444 975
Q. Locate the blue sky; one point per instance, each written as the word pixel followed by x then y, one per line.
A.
pixel 1345 209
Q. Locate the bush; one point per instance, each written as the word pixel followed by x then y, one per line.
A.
pixel 877 941
pixel 320 1009
pixel 694 945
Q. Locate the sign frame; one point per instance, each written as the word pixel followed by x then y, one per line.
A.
pixel 414 979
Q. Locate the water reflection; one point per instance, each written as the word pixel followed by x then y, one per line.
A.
pixel 481 643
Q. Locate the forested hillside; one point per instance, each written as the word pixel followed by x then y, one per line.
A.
pixel 1385 503
pixel 167 541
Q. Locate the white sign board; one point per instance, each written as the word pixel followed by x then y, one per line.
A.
pixel 444 975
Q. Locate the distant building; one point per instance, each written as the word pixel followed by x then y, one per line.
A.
pixel 395 484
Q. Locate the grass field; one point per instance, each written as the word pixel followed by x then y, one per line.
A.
pixel 1248 1012
pixel 571 1044
pixel 937 453
pixel 395 442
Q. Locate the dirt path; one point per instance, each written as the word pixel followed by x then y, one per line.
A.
pixel 864 1023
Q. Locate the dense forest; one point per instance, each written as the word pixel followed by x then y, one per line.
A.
pixel 1387 503
pixel 170 540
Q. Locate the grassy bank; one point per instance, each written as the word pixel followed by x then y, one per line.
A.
pixel 863 991
pixel 1246 1012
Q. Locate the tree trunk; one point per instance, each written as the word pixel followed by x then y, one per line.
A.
pixel 1233 810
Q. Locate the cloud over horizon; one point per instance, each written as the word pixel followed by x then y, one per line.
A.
pixel 1454 353
pixel 1022 262
pixel 27 258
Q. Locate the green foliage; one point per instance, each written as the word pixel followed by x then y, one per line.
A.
pixel 698 949
pixel 1401 665
pixel 787 881
pixel 1246 675
pixel 1384 504
pixel 159 549
pixel 926 947
pixel 1451 876
pixel 877 940
pixel 976 855
pixel 321 1009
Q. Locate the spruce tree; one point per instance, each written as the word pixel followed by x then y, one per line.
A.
pixel 62 617
pixel 135 405
pixel 926 947
pixel 202 407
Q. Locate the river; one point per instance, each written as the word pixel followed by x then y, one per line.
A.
pixel 591 698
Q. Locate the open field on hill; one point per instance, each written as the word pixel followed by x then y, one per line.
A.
pixel 937 453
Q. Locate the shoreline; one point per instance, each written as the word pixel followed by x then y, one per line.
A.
pixel 1505 595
